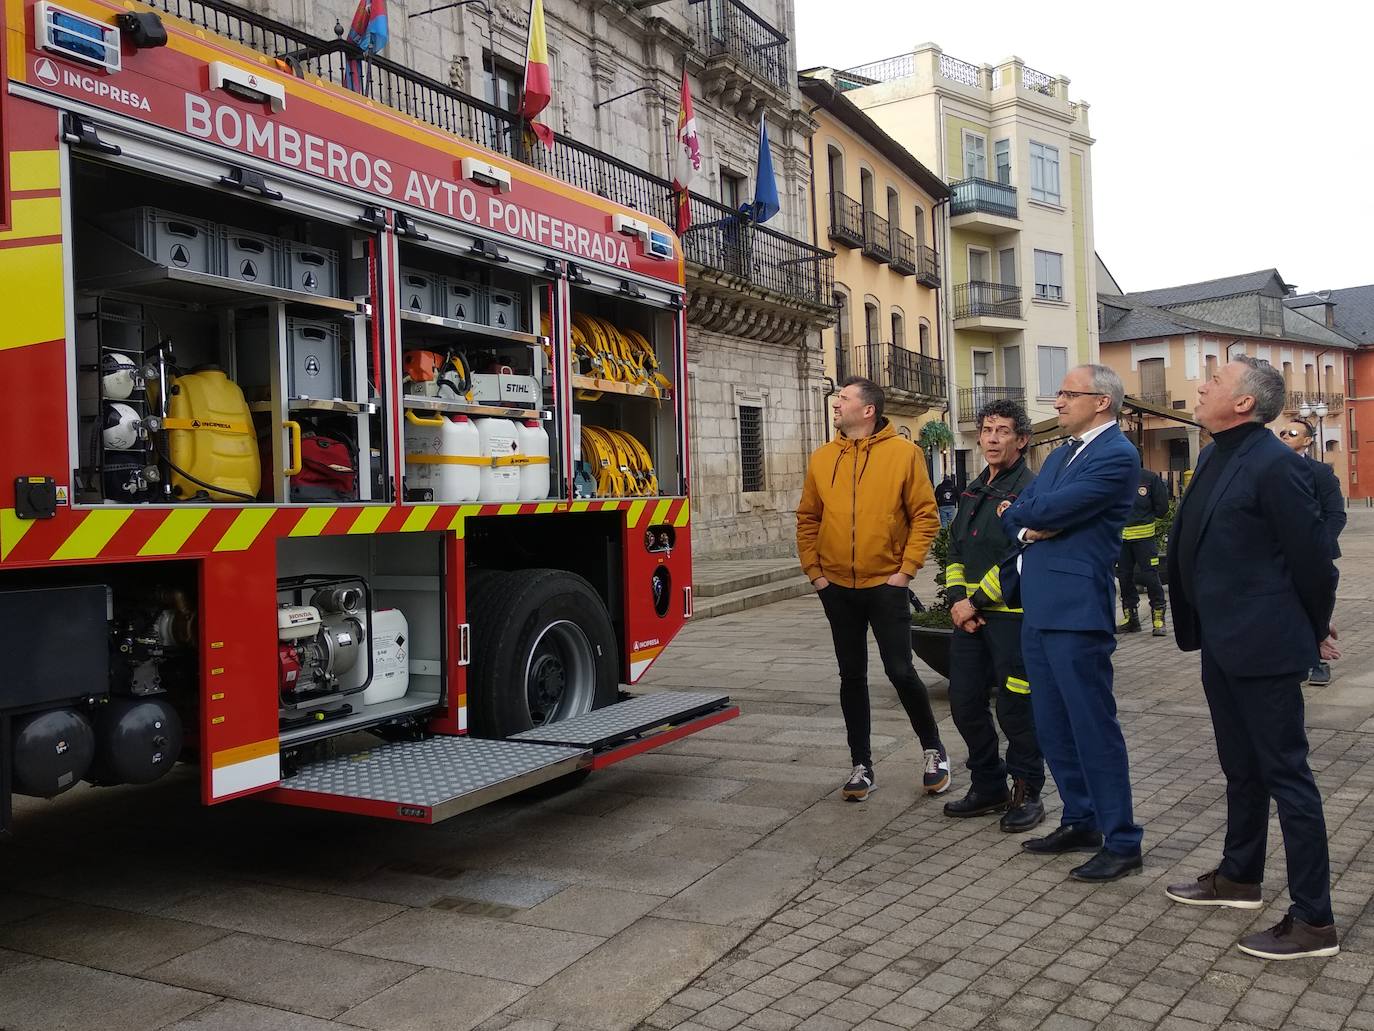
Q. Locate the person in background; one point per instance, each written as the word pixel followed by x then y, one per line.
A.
pixel 1140 555
pixel 947 500
pixel 1252 587
pixel 864 525
pixel 1297 434
pixel 985 652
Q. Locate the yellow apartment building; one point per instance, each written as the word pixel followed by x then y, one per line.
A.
pixel 1021 279
pixel 877 204
pixel 1164 343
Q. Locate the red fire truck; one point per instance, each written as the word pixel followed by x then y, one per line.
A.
pixel 342 457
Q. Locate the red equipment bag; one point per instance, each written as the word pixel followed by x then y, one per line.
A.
pixel 329 469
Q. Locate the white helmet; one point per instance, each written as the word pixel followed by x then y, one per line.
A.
pixel 117 376
pixel 121 427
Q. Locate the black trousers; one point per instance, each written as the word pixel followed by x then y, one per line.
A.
pixel 851 611
pixel 988 663
pixel 1262 745
pixel 1139 560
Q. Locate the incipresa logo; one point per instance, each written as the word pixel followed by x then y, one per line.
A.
pixel 45 71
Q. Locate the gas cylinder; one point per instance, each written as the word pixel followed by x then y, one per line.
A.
pixel 453 436
pixel 533 441
pixel 501 482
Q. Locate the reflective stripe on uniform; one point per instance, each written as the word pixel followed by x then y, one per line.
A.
pixel 991 585
pixel 1018 686
pixel 1140 532
pixel 954 576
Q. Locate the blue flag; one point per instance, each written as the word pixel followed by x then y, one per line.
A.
pixel 765 182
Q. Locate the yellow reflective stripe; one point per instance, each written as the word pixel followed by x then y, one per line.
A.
pixel 508 510
pixel 579 506
pixel 660 512
pixel 684 515
pixel 93 533
pixel 1138 533
pixel 31 295
pixel 419 518
pixel 312 522
pixel 368 520
pixel 35 170
pixel 991 585
pixel 545 507
pixel 459 521
pixel 12 530
pixel 1018 686
pixel 636 511
pixel 954 569
pixel 244 530
pixel 174 531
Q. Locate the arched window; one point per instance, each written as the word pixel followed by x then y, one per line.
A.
pixel 925 338
pixel 898 328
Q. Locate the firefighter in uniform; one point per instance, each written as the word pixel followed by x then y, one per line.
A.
pixel 1140 557
pixel 985 651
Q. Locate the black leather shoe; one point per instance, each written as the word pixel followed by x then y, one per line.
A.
pixel 1107 866
pixel 1024 812
pixel 977 803
pixel 1065 838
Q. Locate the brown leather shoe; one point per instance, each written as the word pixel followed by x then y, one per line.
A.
pixel 1212 889
pixel 1292 939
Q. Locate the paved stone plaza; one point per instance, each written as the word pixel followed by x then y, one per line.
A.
pixel 720 883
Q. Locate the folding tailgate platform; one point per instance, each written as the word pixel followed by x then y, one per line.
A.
pixel 439 777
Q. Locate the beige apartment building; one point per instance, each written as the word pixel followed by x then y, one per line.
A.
pixel 876 203
pixel 1022 273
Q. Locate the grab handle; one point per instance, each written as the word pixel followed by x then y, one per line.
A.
pixel 294 428
pixel 415 420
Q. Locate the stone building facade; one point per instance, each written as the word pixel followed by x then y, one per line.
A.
pixel 757 295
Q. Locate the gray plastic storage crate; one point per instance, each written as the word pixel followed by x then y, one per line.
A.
pixel 313 361
pixel 309 269
pixel 462 299
pixel 420 291
pixel 503 309
pixel 166 238
pixel 249 257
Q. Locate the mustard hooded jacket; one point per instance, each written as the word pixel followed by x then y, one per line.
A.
pixel 867 510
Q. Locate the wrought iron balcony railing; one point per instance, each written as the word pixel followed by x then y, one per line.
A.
pixel 982 195
pixel 975 299
pixel 898 370
pixel 927 266
pixel 719 239
pixel 728 28
pixel 903 253
pixel 972 399
pixel 877 241
pixel 1158 398
pixel 846 220
pixel 1295 399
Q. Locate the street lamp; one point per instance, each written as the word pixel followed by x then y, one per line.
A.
pixel 1319 409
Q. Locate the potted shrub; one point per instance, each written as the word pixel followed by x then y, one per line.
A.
pixel 931 627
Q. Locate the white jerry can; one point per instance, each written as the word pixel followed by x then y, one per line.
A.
pixel 533 440
pixel 499 483
pixel 428 441
pixel 390 657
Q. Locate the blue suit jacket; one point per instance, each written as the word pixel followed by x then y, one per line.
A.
pixel 1262 568
pixel 1068 582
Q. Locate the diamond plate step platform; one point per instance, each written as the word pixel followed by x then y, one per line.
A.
pixel 615 723
pixel 427 781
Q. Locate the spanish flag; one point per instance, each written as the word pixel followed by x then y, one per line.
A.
pixel 538 88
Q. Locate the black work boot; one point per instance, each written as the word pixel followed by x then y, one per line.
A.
pixel 1025 812
pixel 1130 624
pixel 1157 622
pixel 978 803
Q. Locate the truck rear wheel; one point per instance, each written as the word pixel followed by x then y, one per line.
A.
pixel 543 650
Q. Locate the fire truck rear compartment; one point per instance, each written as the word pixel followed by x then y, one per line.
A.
pixel 432 780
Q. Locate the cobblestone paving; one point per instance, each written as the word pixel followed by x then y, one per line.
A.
pixel 718 883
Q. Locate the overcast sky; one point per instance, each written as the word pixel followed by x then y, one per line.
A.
pixel 1230 136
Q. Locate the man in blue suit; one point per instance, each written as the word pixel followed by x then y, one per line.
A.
pixel 1070 518
pixel 1253 585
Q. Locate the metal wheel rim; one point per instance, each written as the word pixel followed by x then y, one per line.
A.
pixel 560 674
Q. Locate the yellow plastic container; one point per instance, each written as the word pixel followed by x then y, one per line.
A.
pixel 210 437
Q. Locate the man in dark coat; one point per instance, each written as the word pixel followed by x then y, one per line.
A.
pixel 1253 587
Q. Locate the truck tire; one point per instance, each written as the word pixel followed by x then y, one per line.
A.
pixel 543 650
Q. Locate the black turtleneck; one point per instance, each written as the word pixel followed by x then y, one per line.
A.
pixel 1227 443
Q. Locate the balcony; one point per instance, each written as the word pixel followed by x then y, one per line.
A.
pixel 1295 399
pixel 1156 398
pixel 744 53
pixel 928 267
pixel 785 277
pixel 877 241
pixel 983 205
pixel 903 253
pixel 908 379
pixel 846 220
pixel 991 306
pixel 972 399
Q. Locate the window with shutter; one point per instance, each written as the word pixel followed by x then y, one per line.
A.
pixel 1044 162
pixel 1049 276
pixel 1053 365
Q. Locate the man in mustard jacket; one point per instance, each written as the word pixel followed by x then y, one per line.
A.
pixel 865 522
